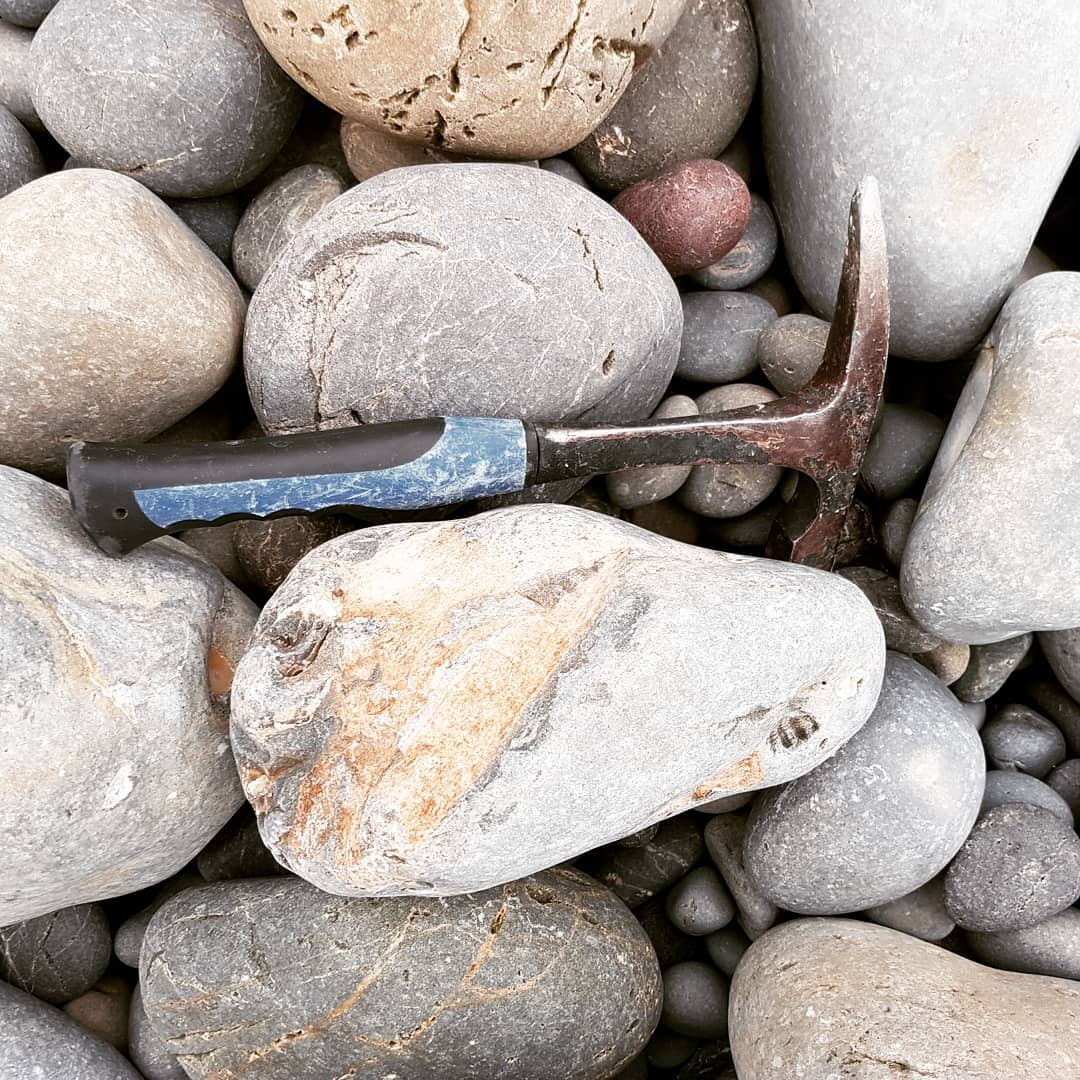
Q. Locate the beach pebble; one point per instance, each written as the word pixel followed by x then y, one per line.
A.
pixel 566 169
pixel 670 945
pixel 212 220
pixel 268 958
pixel 695 1000
pixel 103 1010
pixel 27 13
pixel 268 550
pixel 790 350
pixel 699 903
pixel 370 151
pixel 639 487
pixel 667 518
pixel 1065 780
pixel 666 1050
pixel 16 74
pixel 1062 651
pixel 750 258
pixel 315 140
pixel 894 530
pixel 771 288
pixel 989 666
pixel 147 1049
pixel 883 815
pixel 728 491
pixel 20 158
pixel 686 102
pixel 902 632
pixel 362 300
pixel 726 948
pixel 57 957
pixel 1059 707
pixel 1008 786
pixel 510 82
pixel 691 215
pixel 237 852
pixel 1050 947
pixel 900 451
pixel 720 335
pixel 93 342
pixel 1020 865
pixel 130 933
pixel 726 803
pixel 1019 738
pixel 639 838
pixel 725 838
pixel 748 532
pixel 947 660
pixel 921 913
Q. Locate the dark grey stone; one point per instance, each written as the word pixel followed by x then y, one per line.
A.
pixel 670 945
pixel 27 13
pixel 1050 947
pixel 479 985
pixel 20 159
pixel 720 335
pixel 920 913
pixel 894 531
pixel 990 665
pixel 882 816
pixel 790 350
pixel 636 1069
pixel 146 1048
pixel 182 96
pixel 641 837
pixel 1008 786
pixel 1048 697
pixel 631 488
pixel 710 1061
pixel 747 532
pixel 1020 738
pixel 238 851
pixel 726 948
pixel 695 1000
pixel 726 803
pixel 16 74
pixel 1062 650
pixel 725 837
pixel 316 140
pixel 666 1050
pixel 902 632
pixel 130 933
pixel 901 450
pixel 699 903
pixel 212 220
pixel 37 1040
pixel 1065 780
pixel 750 258
pixel 57 957
pixel 1020 865
pixel 667 518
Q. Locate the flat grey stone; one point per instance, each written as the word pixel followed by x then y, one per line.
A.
pixel 1062 650
pixel 699 903
pixel 130 933
pixel 695 1000
pixel 942 170
pixel 726 948
pixel 146 1048
pixel 990 523
pixel 477 771
pixel 212 220
pixel 372 315
pixel 750 258
pixel 1065 780
pixel 550 975
pixel 28 13
pixel 630 488
pixel 989 666
pixel 921 913
pixel 16 74
pixel 114 678
pixel 1020 865
pixel 895 528
pixel 901 450
pixel 725 839
pixel 1020 738
pixel 1007 786
pixel 20 158
pixel 181 96
pixel 720 335
pixel 1051 947
pixel 883 815
pixel 790 350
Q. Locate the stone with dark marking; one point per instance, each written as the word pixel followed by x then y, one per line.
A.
pixel 1018 737
pixel 882 816
pixel 725 838
pixel 989 666
pixel 870 1003
pixel 180 96
pixel 435 708
pixel 20 158
pixel 720 335
pixel 1007 786
pixel 630 488
pixel 921 913
pixel 274 980
pixel 691 215
pixel 423 292
pixel 1050 947
pixel 212 220
pixel 750 258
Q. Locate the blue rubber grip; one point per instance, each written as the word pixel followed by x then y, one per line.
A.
pixel 474 457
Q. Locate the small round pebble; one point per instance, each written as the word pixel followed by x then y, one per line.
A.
pixel 16 74
pixel 748 532
pixel 212 220
pixel 901 450
pixel 695 1000
pixel 1062 651
pixel 750 258
pixel 129 934
pixel 1019 865
pixel 103 1010
pixel 1008 786
pixel 1065 780
pixel 989 667
pixel 629 488
pixel 666 1050
pixel 720 335
pixel 894 529
pixel 370 151
pixel 975 711
pixel 699 903
pixel 691 216
pixel 726 947
pixel 775 291
pixel 791 350
pixel 1051 947
pixel 316 140
pixel 1059 707
pixel 20 158
pixel 727 491
pixel 29 13
pixel 920 913
pixel 947 660
pixel 1020 738
pixel 147 1049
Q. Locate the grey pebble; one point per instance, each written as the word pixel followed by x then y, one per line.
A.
pixel 726 803
pixel 20 158
pixel 947 660
pixel 727 491
pixel 695 1000
pixel 238 851
pixel 699 903
pixel 566 169
pixel 277 214
pixel 725 837
pixel 212 220
pixel 268 549
pixel 720 335
pixel 593 496
pixel 130 933
pixel 1008 786
pixel 921 913
pixel 1018 737
pixel 147 1049
pixel 666 1050
pixel 747 532
pixel 630 488
pixel 902 632
pixel 1020 865
pixel 641 837
pixel 901 450
pixel 726 947
pixel 1062 651
pixel 790 351
pixel 895 527
pixel 989 666
pixel 1059 707
pixel 750 258
pixel 57 957
pixel 27 13
pixel 16 74
pixel 1050 947
pixel 975 711
pixel 315 140
pixel 1065 780
pixel 215 112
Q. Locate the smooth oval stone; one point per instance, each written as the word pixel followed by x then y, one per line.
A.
pixel 103 1010
pixel 989 667
pixel 482 768
pixel 691 215
pixel 725 838
pixel 146 1048
pixel 695 1000
pixel 629 488
pixel 727 491
pixel 370 151
pixel 212 220
pixel 93 341
pixel 523 81
pixel 369 316
pixel 57 957
pixel 944 172
pixel 699 903
pixel 791 349
pixel 277 214
pixel 686 102
pixel 900 451
pixel 28 13
pixel 1065 780
pixel 1062 651
pixel 38 1040
pixel 750 258
pixel 237 851
pixel 720 335
pixel 726 948
pixel 114 678
pixel 180 96
pixel 867 1002
pixel 1020 738
pixel 315 140
pixel 990 521
pixel 1006 786
pixel 921 913
pixel 771 288
pixel 20 158
pixel 666 1050
pixel 893 534
pixel 16 74
pixel 550 975
pixel 1051 947
pixel 883 815
pixel 902 632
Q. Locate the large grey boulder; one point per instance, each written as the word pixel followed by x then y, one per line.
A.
pixel 436 708
pixel 548 976
pixel 483 289
pixel 114 678
pixel 994 550
pixel 967 170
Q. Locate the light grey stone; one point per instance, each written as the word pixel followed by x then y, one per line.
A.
pixel 1051 947
pixel 720 335
pixel 725 838
pixel 875 1004
pixel 181 96
pixel 695 1000
pixel 114 678
pixel 901 450
pixel 212 220
pixel 488 290
pixel 498 738
pixel 750 258
pixel 1009 130
pixel 791 349
pixel 630 488
pixel 883 815
pixel 895 529
pixel 990 524
pixel 146 1048
pixel 699 903
pixel 921 913
pixel 989 666
pixel 130 933
pixel 16 74
pixel 1062 651
pixel 1018 737
pixel 1007 786
pixel 479 985
pixel 20 158
pixel 726 948
pixel 27 13
pixel 1065 780
pixel 566 169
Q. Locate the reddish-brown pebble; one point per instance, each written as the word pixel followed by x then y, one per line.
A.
pixel 691 216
